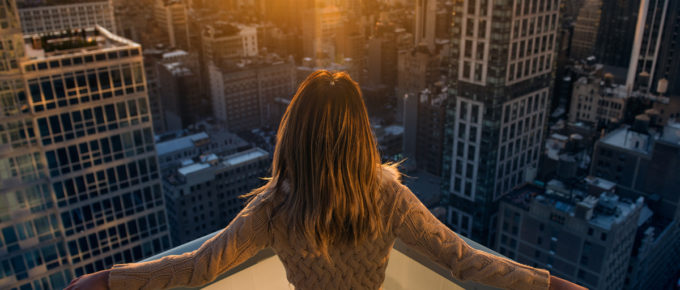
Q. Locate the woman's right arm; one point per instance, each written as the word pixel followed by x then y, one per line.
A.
pixel 418 228
pixel 244 237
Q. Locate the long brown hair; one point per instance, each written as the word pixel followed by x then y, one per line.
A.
pixel 326 167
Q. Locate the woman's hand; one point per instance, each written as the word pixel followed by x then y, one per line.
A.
pixel 94 281
pixel 559 284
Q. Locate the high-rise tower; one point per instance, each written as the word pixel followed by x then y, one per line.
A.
pixel 426 17
pixel 501 77
pixel 656 40
pixel 79 182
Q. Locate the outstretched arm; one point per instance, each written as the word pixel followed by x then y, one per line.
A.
pixel 244 237
pixel 418 228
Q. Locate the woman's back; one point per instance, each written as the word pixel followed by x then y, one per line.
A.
pixel 350 266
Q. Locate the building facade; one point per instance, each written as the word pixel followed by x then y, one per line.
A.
pixel 583 236
pixel 203 195
pixel 171 16
pixel 81 186
pixel 650 37
pixel 668 64
pixel 224 41
pixel 424 121
pixel 242 93
pixel 426 21
pixel 643 162
pixel 616 32
pixel 182 101
pixel 319 28
pixel 66 15
pixel 501 78
pixel 597 101
pixel 585 29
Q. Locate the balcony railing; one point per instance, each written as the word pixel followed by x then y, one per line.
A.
pixel 406 269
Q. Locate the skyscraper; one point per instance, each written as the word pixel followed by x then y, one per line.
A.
pixel 501 77
pixel 668 64
pixel 585 29
pixel 171 16
pixel 648 35
pixel 426 11
pixel 616 32
pixel 80 187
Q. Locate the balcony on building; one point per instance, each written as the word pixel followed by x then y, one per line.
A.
pixel 407 269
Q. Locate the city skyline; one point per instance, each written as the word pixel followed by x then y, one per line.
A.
pixel 533 127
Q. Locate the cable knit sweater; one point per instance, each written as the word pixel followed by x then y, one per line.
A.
pixel 350 267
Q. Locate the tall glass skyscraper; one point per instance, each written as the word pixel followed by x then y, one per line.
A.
pixel 80 188
pixel 501 72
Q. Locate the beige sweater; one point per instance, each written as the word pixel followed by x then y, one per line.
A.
pixel 361 267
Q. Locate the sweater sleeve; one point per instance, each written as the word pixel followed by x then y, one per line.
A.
pixel 418 228
pixel 244 237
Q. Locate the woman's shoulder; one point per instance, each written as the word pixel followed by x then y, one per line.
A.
pixel 390 180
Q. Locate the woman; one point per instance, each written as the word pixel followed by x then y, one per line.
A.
pixel 330 211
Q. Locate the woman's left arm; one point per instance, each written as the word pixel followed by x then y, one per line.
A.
pixel 244 237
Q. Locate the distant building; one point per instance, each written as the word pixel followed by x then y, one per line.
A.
pixel 565 157
pixel 655 43
pixel 583 235
pixel 39 17
pixel 668 62
pixel 424 121
pixel 225 41
pixel 586 29
pixel 616 32
pixel 425 24
pixel 242 92
pixel 656 252
pixel 668 108
pixel 173 150
pixel 151 58
pixel 171 16
pixel 643 160
pixel 203 195
pixel 182 101
pixel 597 101
pixel 319 28
pixel 417 69
pixel 383 51
pixel 350 46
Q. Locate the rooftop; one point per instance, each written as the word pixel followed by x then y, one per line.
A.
pixel 671 133
pixel 181 143
pixel 175 54
pixel 625 138
pixel 178 68
pixel 213 161
pixel 268 61
pixel 243 157
pixel 193 168
pixel 407 269
pixel 605 208
pixel 74 42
